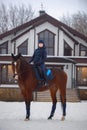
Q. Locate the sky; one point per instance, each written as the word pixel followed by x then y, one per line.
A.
pixel 55 8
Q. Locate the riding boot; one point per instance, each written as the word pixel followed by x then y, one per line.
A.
pixel 45 81
pixel 40 83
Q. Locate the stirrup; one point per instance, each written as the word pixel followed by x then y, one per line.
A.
pixel 46 84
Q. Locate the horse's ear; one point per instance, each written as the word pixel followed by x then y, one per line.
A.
pixel 19 55
pixel 12 55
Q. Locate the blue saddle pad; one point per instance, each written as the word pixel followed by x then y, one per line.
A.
pixel 49 74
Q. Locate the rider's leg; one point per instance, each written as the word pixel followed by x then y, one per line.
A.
pixel 43 68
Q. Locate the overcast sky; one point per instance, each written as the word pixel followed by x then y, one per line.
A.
pixel 55 8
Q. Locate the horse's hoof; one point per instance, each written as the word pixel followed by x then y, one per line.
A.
pixel 26 119
pixel 63 118
pixel 50 117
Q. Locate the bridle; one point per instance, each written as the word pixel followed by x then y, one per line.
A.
pixel 15 75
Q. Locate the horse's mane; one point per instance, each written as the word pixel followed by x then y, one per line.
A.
pixel 24 64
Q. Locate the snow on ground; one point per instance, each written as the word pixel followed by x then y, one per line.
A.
pixel 12 116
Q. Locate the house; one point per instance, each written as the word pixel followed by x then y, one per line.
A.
pixel 66 49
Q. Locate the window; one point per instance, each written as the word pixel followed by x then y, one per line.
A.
pixel 48 38
pixel 67 49
pixel 83 50
pixel 6 74
pixel 82 76
pixel 4 48
pixel 23 48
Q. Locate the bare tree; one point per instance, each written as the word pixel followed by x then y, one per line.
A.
pixel 20 15
pixel 67 19
pixel 25 14
pixel 3 18
pixel 14 16
pixel 78 21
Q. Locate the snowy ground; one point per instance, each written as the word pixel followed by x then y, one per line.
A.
pixel 12 116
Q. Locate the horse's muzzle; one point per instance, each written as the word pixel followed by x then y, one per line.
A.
pixel 15 76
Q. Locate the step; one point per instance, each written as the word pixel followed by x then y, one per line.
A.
pixel 71 96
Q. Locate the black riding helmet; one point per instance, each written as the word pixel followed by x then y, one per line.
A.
pixel 41 41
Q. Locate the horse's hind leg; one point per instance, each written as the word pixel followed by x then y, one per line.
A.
pixel 54 101
pixel 63 103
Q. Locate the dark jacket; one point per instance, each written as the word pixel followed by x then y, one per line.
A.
pixel 39 56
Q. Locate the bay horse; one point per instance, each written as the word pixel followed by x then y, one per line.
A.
pixel 27 82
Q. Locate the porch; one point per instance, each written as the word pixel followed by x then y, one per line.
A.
pixel 14 94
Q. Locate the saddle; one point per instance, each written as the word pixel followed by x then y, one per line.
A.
pixel 40 76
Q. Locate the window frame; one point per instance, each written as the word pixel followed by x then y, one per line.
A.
pixel 7 77
pixel 77 80
pixel 82 50
pixel 69 48
pixel 2 46
pixel 48 45
pixel 21 45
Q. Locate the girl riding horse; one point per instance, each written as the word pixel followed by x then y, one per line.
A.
pixel 27 82
pixel 38 59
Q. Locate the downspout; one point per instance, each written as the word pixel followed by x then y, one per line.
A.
pixel 58 43
pixel 0 74
pixel 34 37
pixel 73 76
pixel 14 47
pixel 35 93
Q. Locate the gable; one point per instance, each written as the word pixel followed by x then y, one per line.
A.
pixel 38 21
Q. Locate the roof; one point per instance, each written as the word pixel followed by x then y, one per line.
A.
pixel 41 19
pixel 53 59
pixel 60 59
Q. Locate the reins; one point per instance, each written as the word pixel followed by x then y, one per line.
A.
pixel 20 73
pixel 16 74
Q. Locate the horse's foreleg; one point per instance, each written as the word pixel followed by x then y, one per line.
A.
pixel 27 110
pixel 52 111
pixel 54 100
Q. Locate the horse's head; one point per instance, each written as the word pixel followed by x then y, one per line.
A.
pixel 15 57
pixel 20 66
pixel 15 64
